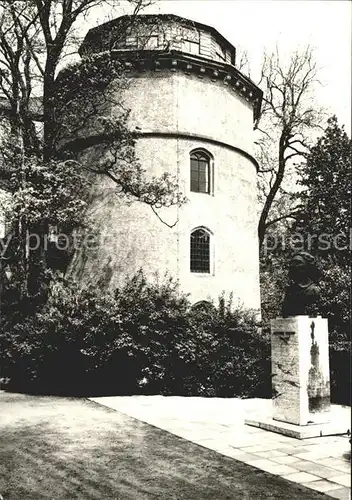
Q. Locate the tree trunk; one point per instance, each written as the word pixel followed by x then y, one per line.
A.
pixel 273 191
pixel 49 112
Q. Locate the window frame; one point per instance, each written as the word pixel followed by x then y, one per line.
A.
pixel 210 271
pixel 148 42
pixel 221 52
pixel 140 41
pixel 210 170
pixel 187 45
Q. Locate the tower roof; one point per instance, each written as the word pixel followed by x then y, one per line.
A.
pixel 155 40
pixel 93 41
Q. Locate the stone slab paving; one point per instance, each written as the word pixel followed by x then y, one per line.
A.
pixel 321 463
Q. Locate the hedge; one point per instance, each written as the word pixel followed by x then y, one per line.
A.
pixel 144 338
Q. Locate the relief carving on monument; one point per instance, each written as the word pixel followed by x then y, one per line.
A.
pixel 318 385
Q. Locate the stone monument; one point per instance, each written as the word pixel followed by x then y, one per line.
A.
pixel 300 360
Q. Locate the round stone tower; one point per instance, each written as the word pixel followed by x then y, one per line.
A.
pixel 194 113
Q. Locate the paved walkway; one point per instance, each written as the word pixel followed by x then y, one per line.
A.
pixel 322 464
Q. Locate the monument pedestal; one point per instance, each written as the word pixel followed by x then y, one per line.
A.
pixel 300 379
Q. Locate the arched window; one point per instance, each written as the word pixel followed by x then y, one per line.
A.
pixel 200 251
pixel 203 306
pixel 200 172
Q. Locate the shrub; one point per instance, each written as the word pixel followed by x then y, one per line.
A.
pixel 234 355
pixel 143 338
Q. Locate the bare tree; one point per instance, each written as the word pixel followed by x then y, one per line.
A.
pixel 288 117
pixel 34 37
pixel 17 78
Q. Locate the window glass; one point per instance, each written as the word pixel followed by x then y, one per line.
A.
pixel 200 173
pixel 200 251
pixel 221 53
pixel 190 47
pixel 131 41
pixel 148 42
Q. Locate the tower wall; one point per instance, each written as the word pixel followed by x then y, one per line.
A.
pixel 180 102
pixel 169 101
pixel 175 114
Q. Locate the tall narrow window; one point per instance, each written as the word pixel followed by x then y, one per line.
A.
pixel 200 251
pixel 200 172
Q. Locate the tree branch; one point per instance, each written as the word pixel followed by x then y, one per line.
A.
pixel 161 220
pixel 293 215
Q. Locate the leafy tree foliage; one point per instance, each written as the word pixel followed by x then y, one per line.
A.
pixel 44 196
pixel 326 197
pixel 50 117
pixel 325 221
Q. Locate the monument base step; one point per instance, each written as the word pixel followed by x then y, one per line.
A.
pixel 300 431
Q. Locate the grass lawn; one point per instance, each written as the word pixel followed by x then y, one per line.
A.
pixel 61 448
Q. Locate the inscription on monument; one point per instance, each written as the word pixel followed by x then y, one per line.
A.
pixel 284 335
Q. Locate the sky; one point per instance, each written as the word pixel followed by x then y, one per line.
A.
pixel 259 25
